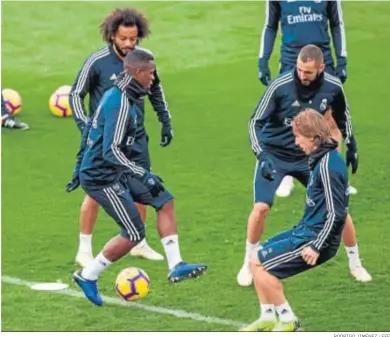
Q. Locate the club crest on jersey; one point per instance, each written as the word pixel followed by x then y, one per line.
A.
pixel 324 104
pixel 288 121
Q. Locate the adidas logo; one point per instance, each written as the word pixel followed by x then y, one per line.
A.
pixel 170 242
pixel 295 104
pixel 113 77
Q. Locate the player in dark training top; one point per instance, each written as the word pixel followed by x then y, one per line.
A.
pixel 303 23
pixel 317 236
pixel 272 140
pixel 106 175
pixel 123 30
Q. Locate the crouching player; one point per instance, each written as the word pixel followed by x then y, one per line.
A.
pixel 105 172
pixel 317 236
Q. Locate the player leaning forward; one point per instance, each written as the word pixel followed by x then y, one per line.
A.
pixel 123 30
pixel 105 173
pixel 317 236
pixel 307 86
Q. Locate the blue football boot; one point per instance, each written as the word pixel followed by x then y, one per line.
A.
pixel 88 287
pixel 183 271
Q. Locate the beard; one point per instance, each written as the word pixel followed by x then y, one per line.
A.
pixel 307 83
pixel 121 52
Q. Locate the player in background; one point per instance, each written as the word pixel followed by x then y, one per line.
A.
pixel 122 30
pixel 272 140
pixel 8 121
pixel 303 23
pixel 317 236
pixel 105 164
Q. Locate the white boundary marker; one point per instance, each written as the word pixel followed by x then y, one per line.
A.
pixel 118 302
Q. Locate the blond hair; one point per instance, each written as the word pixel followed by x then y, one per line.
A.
pixel 311 124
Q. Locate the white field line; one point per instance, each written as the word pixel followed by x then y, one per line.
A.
pixel 118 302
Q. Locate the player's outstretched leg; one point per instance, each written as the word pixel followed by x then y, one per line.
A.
pixel 87 278
pixel 143 249
pixel 272 301
pixel 118 203
pixel 351 247
pixel 167 229
pixel 88 215
pixel 286 187
pixel 256 224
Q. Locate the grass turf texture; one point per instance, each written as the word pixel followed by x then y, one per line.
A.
pixel 207 56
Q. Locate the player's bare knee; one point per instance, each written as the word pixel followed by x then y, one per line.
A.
pixel 168 206
pixel 89 205
pixel 260 210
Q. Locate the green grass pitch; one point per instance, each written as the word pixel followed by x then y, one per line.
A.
pixel 207 57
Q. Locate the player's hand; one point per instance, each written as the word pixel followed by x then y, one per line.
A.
pixel 267 167
pixel 341 73
pixel 73 184
pixel 153 183
pixel 264 72
pixel 166 135
pixel 310 255
pixel 352 155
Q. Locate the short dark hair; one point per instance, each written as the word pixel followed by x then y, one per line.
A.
pixel 127 17
pixel 137 55
pixel 311 53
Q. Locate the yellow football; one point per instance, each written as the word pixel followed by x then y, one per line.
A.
pixel 12 101
pixel 59 102
pixel 132 284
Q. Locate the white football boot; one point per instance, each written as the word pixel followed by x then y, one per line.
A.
pixel 145 251
pixel 286 187
pixel 360 274
pixel 352 190
pixel 244 277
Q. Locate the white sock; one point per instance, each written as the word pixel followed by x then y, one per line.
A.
pixel 96 267
pixel 85 243
pixel 249 249
pixel 172 250
pixel 267 312
pixel 353 256
pixel 285 312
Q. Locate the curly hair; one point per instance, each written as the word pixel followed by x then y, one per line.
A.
pixel 127 17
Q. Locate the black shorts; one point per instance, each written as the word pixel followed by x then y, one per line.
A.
pixel 141 194
pixel 118 203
